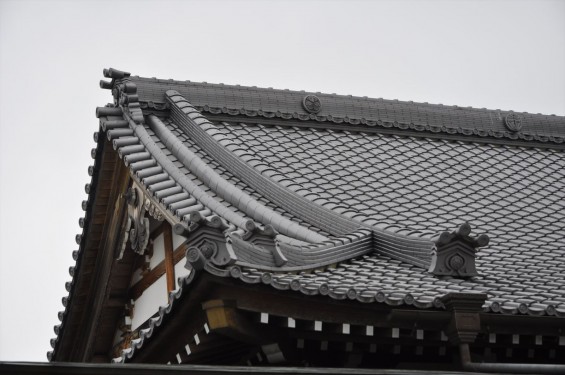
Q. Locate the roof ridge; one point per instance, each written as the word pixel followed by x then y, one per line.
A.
pixel 350 112
pixel 348 96
pixel 185 182
pixel 227 191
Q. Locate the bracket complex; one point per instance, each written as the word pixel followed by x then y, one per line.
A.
pixel 454 252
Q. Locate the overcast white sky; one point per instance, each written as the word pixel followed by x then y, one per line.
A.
pixel 494 54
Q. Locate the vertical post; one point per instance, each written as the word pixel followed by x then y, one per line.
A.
pixel 169 259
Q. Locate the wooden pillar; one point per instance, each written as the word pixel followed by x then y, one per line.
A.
pixel 169 257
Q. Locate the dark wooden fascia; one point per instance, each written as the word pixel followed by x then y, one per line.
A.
pixel 98 295
pixel 262 298
pixel 522 324
pixel 71 340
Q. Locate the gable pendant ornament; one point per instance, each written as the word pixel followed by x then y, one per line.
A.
pixel 138 224
pixel 454 252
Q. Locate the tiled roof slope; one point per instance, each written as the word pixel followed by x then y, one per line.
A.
pixel 351 111
pixel 515 194
pixel 405 189
pixel 427 185
pixel 420 186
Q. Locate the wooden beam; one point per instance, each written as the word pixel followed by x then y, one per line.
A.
pixel 148 279
pixel 257 298
pixel 138 288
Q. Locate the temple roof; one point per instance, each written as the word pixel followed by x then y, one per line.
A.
pixel 348 197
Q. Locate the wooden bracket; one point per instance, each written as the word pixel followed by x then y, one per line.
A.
pixel 223 317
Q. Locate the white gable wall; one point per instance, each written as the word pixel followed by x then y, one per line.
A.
pixel 158 251
pixel 149 302
pixel 156 294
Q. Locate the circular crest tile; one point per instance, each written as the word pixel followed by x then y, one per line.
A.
pixel 312 103
pixel 513 122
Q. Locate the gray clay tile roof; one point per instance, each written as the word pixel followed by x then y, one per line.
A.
pixel 355 210
pixel 421 187
pixel 512 193
pixel 515 194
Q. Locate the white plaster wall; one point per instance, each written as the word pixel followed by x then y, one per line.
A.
pixel 177 240
pixel 148 303
pixel 158 251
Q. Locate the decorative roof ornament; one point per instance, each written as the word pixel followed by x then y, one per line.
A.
pixel 454 252
pixel 138 223
pixel 124 92
pixel 262 238
pixel 207 240
pixel 114 74
pixel 312 104
pixel 513 121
